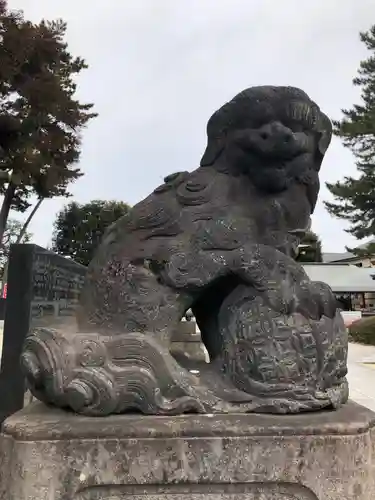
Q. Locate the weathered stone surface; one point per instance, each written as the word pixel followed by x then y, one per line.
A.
pixel 220 240
pixel 56 455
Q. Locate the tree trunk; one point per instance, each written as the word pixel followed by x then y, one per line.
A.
pixel 19 239
pixel 5 209
pixel 28 220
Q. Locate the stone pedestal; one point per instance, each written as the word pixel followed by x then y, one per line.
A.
pixel 47 454
pixel 187 341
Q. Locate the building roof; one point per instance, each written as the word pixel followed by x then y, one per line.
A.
pixel 340 256
pixel 342 277
pixel 337 257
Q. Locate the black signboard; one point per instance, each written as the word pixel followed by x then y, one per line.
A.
pixel 43 290
pixel 55 287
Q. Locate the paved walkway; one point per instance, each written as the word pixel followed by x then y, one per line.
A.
pixel 361 374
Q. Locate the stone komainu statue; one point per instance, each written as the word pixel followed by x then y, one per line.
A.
pixel 220 240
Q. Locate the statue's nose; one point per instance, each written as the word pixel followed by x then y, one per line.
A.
pixel 276 132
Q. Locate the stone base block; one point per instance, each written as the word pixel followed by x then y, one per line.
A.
pixel 47 454
pixel 186 332
pixel 186 341
pixel 190 350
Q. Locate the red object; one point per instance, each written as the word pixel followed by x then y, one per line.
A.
pixel 5 289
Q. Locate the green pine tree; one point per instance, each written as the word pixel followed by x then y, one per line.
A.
pixel 355 197
pixel 364 252
pixel 310 249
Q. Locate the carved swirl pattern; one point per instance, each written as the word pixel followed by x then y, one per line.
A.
pixel 155 219
pixel 151 215
pixel 196 190
pixel 107 375
pixel 171 182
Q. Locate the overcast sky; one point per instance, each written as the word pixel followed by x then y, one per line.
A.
pixel 159 68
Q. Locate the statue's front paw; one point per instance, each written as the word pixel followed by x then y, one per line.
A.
pixel 325 297
pixel 192 271
pixel 315 300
